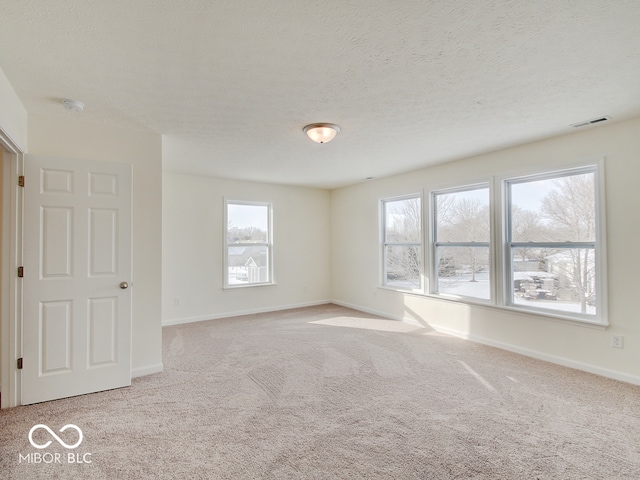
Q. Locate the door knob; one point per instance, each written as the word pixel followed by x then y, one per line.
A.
pixel 124 285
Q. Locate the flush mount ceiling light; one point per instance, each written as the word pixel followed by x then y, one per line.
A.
pixel 73 105
pixel 321 132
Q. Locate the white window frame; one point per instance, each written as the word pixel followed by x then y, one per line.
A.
pixel 268 244
pixel 434 244
pixel 384 244
pixel 501 278
pixel 506 270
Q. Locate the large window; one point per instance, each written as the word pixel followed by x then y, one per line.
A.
pixel 248 244
pixel 402 242
pixel 461 235
pixel 552 252
pixel 532 243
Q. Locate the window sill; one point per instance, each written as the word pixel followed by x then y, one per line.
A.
pixel 528 312
pixel 249 285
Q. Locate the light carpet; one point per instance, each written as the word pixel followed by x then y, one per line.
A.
pixel 331 393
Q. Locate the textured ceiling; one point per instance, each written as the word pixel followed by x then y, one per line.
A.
pixel 230 85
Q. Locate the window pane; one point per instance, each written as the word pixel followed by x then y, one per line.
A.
pixel 463 216
pixel 402 221
pixel 558 209
pixel 247 223
pixel 247 265
pixel 463 271
pixel 402 266
pixel 555 278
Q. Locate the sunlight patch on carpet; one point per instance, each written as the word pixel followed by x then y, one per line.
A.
pixel 478 377
pixel 369 324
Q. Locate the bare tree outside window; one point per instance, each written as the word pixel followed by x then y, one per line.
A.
pixel 553 242
pixel 402 242
pixel 462 235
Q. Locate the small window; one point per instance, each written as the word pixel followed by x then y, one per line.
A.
pixel 552 250
pixel 461 242
pixel 402 243
pixel 248 244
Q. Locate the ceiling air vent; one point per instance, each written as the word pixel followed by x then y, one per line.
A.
pixel 590 122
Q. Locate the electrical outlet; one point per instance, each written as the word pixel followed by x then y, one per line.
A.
pixel 176 301
pixel 617 341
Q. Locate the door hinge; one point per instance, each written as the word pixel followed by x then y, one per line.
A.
pixel 20 272
pixel 21 180
pixel 19 363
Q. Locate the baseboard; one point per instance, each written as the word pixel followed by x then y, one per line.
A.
pixel 146 370
pixel 565 362
pixel 215 316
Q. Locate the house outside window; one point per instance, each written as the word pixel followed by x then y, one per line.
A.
pixel 248 244
pixel 461 254
pixel 402 243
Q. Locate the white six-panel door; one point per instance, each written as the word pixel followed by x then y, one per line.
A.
pixel 77 276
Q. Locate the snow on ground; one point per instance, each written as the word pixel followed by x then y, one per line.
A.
pixel 463 286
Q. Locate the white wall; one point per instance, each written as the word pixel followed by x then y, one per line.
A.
pixel 193 235
pixel 74 138
pixel 355 260
pixel 13 116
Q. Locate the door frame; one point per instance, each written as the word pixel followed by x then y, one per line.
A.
pixel 10 285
